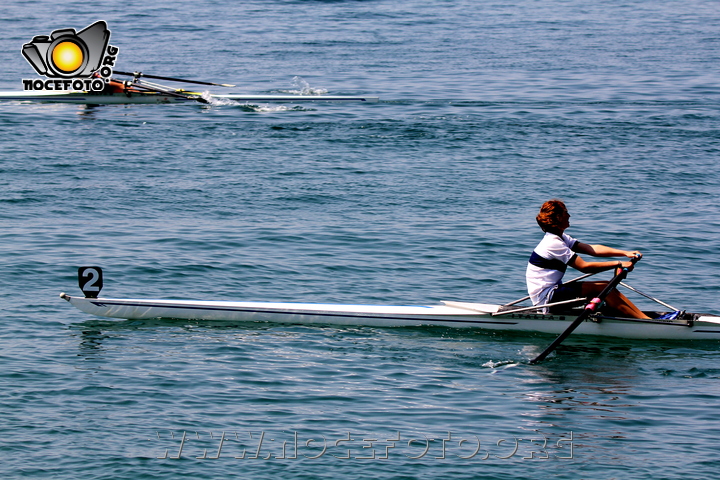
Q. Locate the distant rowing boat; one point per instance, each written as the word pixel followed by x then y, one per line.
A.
pixel 449 314
pixel 91 98
pixel 140 91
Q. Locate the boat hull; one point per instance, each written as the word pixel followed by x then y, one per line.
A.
pixel 452 315
pixel 154 98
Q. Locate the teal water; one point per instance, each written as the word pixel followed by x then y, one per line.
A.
pixel 486 111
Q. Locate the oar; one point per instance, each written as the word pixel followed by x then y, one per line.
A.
pixel 590 308
pixel 171 79
pixel 170 93
pixel 648 296
pixel 569 281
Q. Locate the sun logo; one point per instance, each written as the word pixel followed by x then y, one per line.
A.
pixel 67 57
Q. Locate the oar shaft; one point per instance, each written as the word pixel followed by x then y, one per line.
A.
pixel 648 296
pixel 171 79
pixel 535 307
pixel 565 283
pixel 171 93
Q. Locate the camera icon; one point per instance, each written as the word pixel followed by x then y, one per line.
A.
pixel 68 54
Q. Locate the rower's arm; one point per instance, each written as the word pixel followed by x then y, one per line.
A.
pixel 594 267
pixel 603 251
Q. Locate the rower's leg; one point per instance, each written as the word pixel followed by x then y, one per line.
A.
pixel 618 303
pixel 622 304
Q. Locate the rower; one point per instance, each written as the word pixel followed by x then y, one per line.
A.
pixel 116 87
pixel 557 250
pixel 113 87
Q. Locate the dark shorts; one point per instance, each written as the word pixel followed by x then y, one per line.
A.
pixel 569 291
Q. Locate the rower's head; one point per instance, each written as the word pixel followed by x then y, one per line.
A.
pixel 553 217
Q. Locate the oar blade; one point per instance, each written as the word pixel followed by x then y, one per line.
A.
pixel 581 318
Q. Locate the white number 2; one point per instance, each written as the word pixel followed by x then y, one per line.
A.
pixel 90 280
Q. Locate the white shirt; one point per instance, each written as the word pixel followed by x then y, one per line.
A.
pixel 547 266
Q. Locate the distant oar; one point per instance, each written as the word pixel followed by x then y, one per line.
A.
pixel 171 79
pixel 590 308
pixel 171 94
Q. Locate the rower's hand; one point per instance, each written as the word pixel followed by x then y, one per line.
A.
pixel 634 254
pixel 628 265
